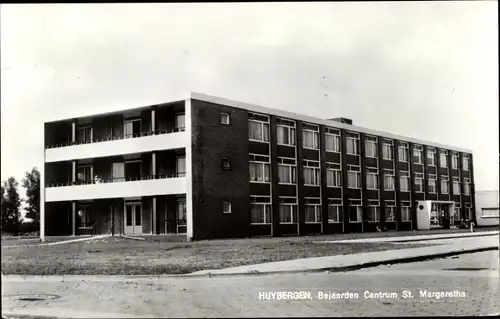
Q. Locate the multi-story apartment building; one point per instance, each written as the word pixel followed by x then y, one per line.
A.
pixel 210 167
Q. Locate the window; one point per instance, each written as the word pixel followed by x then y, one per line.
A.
pixel 286 135
pixel 457 211
pixel 389 180
pixel 355 213
pixel 310 139
pixel 84 173
pixel 260 213
pixel 335 211
pixel 490 212
pixel 226 163
pixel 405 211
pixel 226 208
pixel 333 175
pixel 456 185
pixel 84 134
pixel 445 185
pixel 84 215
pixel 417 154
pixel 466 162
pixel 258 131
pixel 353 176
pixel 371 147
pixel 443 159
pixel 403 152
pixel 288 213
pixel 260 172
pixel 387 151
pixel 332 140
pixel 373 211
pixel 311 173
pixel 431 157
pixel 313 211
pixel 404 181
pixel 371 178
pixel 287 171
pixel 419 182
pixel 181 166
pixel 466 186
pixel 468 208
pixel 224 118
pixel 180 122
pixel 352 145
pixel 454 161
pixel 390 211
pixel 432 183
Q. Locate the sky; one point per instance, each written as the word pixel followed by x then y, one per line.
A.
pixel 419 69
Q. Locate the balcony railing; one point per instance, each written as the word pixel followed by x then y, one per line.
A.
pixel 115 138
pixel 114 180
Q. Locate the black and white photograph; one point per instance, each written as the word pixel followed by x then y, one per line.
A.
pixel 249 159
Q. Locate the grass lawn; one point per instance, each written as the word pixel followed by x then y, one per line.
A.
pixel 121 256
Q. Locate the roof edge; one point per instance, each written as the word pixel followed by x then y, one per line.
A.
pixel 307 118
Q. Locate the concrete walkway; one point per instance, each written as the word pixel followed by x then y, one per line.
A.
pixel 355 261
pixel 412 238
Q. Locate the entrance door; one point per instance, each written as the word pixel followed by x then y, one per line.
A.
pixel 133 219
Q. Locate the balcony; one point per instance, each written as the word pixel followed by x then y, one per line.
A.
pixel 117 145
pixel 116 188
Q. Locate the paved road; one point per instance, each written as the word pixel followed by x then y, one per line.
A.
pixel 239 296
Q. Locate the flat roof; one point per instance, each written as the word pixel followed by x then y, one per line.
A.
pixel 260 109
pixel 314 120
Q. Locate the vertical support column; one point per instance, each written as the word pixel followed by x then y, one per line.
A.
pixel 73 131
pixel 381 180
pixel 322 165
pixel 42 189
pixel 397 183
pixel 73 218
pixel 73 172
pixel 362 156
pixel 300 179
pixel 189 176
pixel 411 169
pixel 274 176
pixel 345 190
pixel 154 215
pixel 153 165
pixel 153 120
pixel 473 216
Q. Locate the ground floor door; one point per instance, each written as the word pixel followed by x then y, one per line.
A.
pixel 181 216
pixel 133 219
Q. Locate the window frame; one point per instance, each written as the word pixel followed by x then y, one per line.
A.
pixel 444 178
pixel 337 174
pixel 226 160
pixel 456 182
pixel 392 205
pixel 293 210
pixel 373 147
pixel 292 170
pixel 376 208
pixel 406 205
pixel 338 213
pixel 224 205
pixel 433 157
pixel 317 213
pixel 391 151
pixel 262 124
pixel 176 122
pixel 358 176
pixel 263 170
pixel 404 175
pixel 225 115
pixel 315 139
pixel 455 158
pixel 291 135
pixel 465 160
pixel 356 148
pixel 391 174
pixel 336 142
pixel 371 174
pixel 316 172
pixel 405 152
pixel 432 177
pixel 420 156
pixel 445 162
pixel 359 208
pixel 422 181
pixel 467 186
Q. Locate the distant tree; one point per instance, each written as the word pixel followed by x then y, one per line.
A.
pixel 31 183
pixel 11 215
